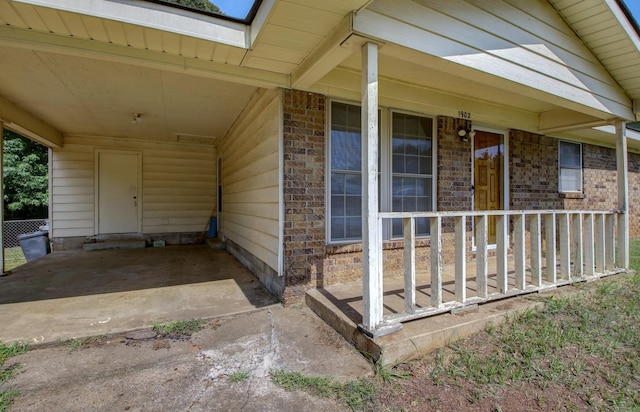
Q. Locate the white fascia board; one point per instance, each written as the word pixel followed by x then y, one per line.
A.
pixel 624 22
pixel 611 129
pixel 155 16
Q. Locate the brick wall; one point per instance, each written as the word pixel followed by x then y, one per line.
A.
pixel 599 180
pixel 304 193
pixel 533 165
pixel 533 172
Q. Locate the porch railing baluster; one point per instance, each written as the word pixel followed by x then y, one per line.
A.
pixel 502 239
pixel 578 257
pixel 586 247
pixel 589 245
pixel 536 249
pixel 600 243
pixel 481 255
pixel 436 261
pixel 461 258
pixel 550 251
pixel 610 251
pixel 520 253
pixel 409 264
pixel 565 249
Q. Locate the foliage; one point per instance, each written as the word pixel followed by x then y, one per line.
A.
pixel 7 351
pixel 239 376
pixel 179 327
pixel 26 178
pixel 360 394
pixel 204 5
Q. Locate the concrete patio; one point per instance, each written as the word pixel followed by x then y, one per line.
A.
pixel 75 294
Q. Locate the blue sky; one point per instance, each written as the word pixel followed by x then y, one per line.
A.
pixel 240 8
pixel 634 7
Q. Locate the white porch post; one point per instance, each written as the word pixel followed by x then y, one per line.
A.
pixel 622 257
pixel 371 226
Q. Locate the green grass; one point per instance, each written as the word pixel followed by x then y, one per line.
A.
pixel 7 351
pixel 239 376
pixel 13 257
pixel 588 343
pixel 180 327
pixel 360 394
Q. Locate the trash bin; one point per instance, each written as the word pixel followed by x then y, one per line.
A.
pixel 34 245
pixel 213 228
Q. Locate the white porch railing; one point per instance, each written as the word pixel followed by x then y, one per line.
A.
pixel 577 246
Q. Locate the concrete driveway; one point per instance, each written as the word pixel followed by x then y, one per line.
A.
pixel 74 294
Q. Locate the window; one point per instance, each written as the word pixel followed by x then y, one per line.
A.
pixel 412 165
pixel 346 172
pixel 570 164
pixel 406 180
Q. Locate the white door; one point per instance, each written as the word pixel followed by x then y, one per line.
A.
pixel 118 192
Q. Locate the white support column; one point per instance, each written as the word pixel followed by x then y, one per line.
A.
pixel 436 261
pixel 622 256
pixel 372 287
pixel 2 257
pixel 409 265
pixel 461 258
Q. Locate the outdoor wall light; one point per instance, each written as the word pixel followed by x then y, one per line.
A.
pixel 136 118
pixel 465 134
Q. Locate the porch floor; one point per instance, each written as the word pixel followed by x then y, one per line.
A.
pixel 75 294
pixel 341 306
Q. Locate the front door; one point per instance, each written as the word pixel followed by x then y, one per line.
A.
pixel 488 167
pixel 118 192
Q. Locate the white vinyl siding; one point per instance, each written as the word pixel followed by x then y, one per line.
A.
pixel 527 45
pixel 570 167
pixel 178 185
pixel 251 178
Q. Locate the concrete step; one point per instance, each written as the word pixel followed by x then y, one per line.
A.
pixel 217 244
pixel 116 244
pixel 340 307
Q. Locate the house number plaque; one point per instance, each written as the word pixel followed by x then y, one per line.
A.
pixel 464 115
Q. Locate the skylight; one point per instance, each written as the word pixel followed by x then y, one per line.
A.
pixel 242 11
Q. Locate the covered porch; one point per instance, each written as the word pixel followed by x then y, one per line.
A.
pixel 534 250
pixel 77 294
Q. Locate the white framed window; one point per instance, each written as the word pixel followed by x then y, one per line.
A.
pixel 570 167
pixel 406 167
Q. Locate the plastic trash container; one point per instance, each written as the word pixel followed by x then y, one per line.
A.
pixel 213 228
pixel 34 245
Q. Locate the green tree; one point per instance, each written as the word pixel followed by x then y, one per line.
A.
pixel 26 178
pixel 204 5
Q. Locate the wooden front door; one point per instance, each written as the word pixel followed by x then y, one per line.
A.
pixel 488 166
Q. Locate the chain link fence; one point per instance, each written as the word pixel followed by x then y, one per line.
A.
pixel 13 228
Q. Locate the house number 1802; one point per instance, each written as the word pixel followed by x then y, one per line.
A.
pixel 464 115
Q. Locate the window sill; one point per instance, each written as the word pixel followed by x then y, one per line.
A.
pixel 572 195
